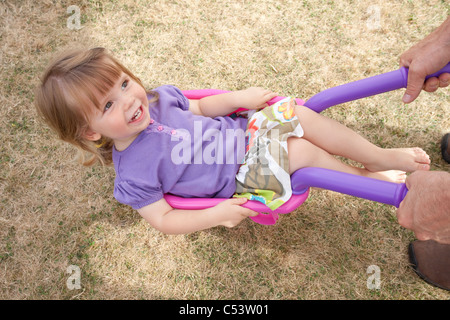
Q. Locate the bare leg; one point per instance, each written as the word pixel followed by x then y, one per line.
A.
pixel 337 139
pixel 303 153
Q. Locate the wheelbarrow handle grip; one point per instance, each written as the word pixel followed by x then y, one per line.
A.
pixel 358 186
pixel 367 87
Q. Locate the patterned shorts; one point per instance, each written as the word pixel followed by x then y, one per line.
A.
pixel 264 175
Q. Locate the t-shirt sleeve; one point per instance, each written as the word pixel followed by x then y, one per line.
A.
pixel 135 195
pixel 174 96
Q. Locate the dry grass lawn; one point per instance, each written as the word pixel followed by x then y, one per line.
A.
pixel 55 213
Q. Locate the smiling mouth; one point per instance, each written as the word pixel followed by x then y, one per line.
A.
pixel 137 115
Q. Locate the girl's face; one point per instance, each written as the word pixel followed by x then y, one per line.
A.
pixel 123 115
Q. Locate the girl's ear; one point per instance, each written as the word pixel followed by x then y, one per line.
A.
pixel 91 135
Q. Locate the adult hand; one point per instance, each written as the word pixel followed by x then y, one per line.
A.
pixel 426 57
pixel 426 207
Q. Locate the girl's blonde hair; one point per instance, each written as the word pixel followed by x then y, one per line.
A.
pixel 67 89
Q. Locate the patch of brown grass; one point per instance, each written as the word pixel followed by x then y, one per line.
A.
pixel 54 213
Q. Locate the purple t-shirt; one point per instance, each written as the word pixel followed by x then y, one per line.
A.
pixel 179 153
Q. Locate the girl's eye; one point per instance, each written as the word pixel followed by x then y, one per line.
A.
pixel 108 105
pixel 124 84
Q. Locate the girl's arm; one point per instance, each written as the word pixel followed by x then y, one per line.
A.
pixel 226 103
pixel 164 218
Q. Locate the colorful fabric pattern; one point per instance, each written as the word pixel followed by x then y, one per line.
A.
pixel 264 175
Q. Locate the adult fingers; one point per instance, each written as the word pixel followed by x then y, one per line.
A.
pixel 431 85
pixel 404 214
pixel 444 80
pixel 416 78
pixel 421 236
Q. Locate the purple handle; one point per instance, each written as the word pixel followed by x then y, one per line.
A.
pixel 364 88
pixel 358 186
pixel 302 179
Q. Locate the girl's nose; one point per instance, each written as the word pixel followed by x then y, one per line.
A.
pixel 127 102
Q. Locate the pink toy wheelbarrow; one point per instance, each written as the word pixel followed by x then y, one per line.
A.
pixel 303 179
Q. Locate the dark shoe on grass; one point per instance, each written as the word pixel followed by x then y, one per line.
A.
pixel 445 147
pixel 431 261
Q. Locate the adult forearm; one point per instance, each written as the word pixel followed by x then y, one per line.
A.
pixel 443 31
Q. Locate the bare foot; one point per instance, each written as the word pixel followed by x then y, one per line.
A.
pixel 405 159
pixel 395 176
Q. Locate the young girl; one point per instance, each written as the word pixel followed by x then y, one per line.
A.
pixel 160 142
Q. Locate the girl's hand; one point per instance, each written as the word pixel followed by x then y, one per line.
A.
pixel 231 213
pixel 255 98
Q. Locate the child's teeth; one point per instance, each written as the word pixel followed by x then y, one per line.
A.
pixel 137 114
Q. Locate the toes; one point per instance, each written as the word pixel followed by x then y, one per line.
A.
pixel 395 176
pixel 421 156
pixel 401 176
pixel 422 159
pixel 424 167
